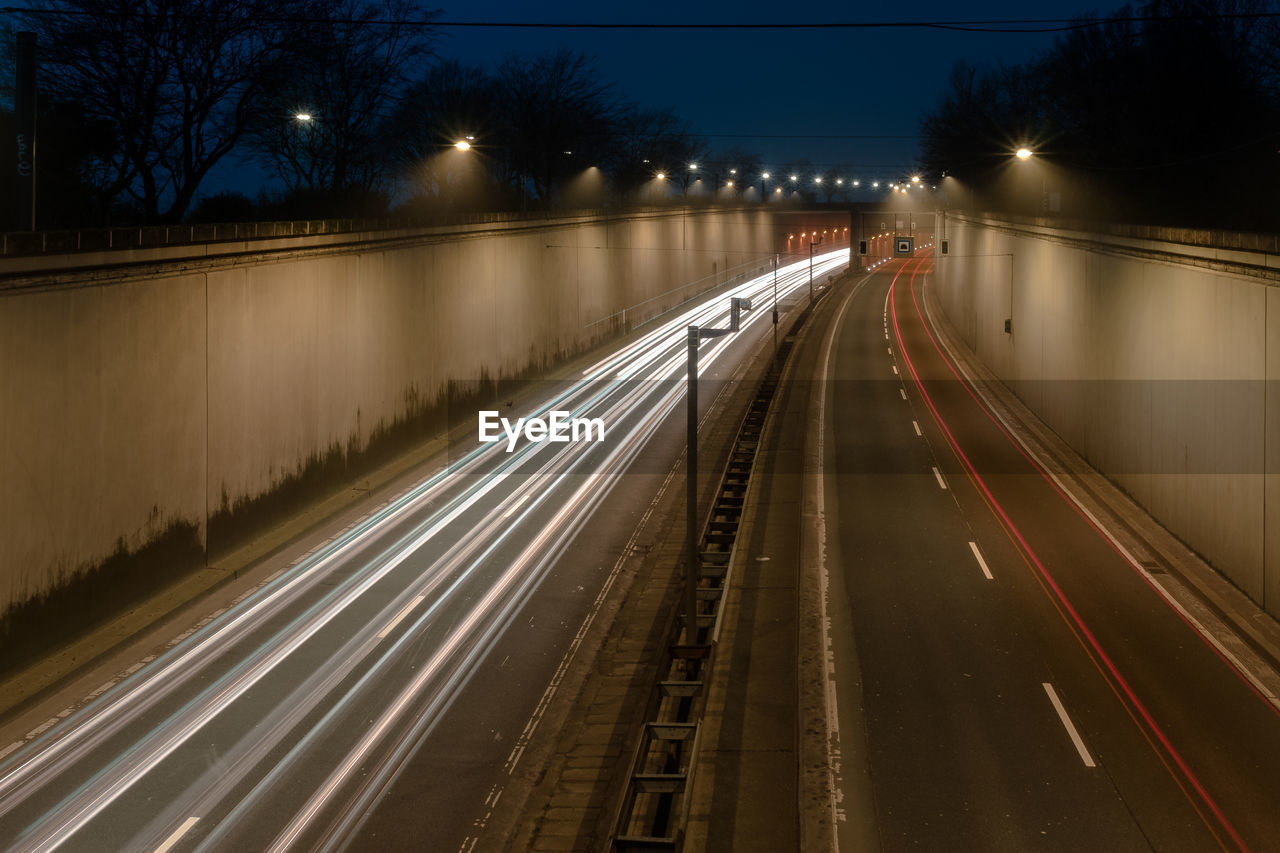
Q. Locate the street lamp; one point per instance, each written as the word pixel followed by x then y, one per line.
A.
pixel 303 117
pixel 1023 153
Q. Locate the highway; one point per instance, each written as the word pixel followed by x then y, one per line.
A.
pixel 285 721
pixel 1008 676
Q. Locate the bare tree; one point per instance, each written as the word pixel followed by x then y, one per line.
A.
pixel 647 141
pixel 347 68
pixel 452 102
pixel 175 80
pixel 551 104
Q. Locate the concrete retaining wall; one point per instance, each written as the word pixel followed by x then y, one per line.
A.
pixel 147 387
pixel 1154 359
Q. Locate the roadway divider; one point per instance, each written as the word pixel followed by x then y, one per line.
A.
pixel 653 811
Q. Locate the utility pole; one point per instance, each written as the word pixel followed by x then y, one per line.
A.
pixel 812 243
pixel 691 473
pixel 775 306
pixel 691 496
pixel 24 103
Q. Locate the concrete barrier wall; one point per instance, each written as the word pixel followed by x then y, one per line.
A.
pixel 143 388
pixel 1155 360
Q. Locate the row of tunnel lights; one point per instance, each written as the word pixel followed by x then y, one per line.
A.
pixel 814 233
pixel 895 186
pixel 464 144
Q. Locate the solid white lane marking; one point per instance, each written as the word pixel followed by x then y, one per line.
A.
pixel 1070 726
pixel 903 392
pixel 515 506
pixel 942 484
pixel 408 608
pixel 177 834
pixel 916 424
pixel 982 564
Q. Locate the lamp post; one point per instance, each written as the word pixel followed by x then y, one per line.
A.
pixel 812 243
pixel 691 479
pixel 775 306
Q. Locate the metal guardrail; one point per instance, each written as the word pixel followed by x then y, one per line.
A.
pixel 156 236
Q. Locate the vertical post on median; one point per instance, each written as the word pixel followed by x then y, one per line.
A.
pixel 775 306
pixel 24 101
pixel 691 489
pixel 810 272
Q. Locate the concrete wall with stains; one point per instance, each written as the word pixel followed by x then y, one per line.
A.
pixel 1155 357
pixel 145 387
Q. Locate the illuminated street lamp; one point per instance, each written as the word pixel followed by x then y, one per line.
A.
pixel 1023 153
pixel 303 117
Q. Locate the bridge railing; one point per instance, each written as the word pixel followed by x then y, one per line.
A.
pixel 20 243
pixel 156 236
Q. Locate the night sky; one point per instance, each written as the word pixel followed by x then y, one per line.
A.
pixel 773 82
pixel 741 87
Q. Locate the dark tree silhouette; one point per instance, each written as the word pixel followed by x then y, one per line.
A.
pixel 450 103
pixel 551 104
pixel 646 141
pixel 347 68
pixel 175 80
pixel 1167 113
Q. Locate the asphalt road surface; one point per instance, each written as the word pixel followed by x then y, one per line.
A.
pixel 299 717
pixel 1010 678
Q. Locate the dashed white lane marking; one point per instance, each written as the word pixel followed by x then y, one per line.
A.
pixel 515 506
pixel 895 370
pixel 177 834
pixel 903 392
pixel 916 425
pixel 890 349
pixel 408 608
pixel 10 748
pixel 1070 726
pixel 42 728
pixel 942 484
pixel 982 564
pixel 1247 672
